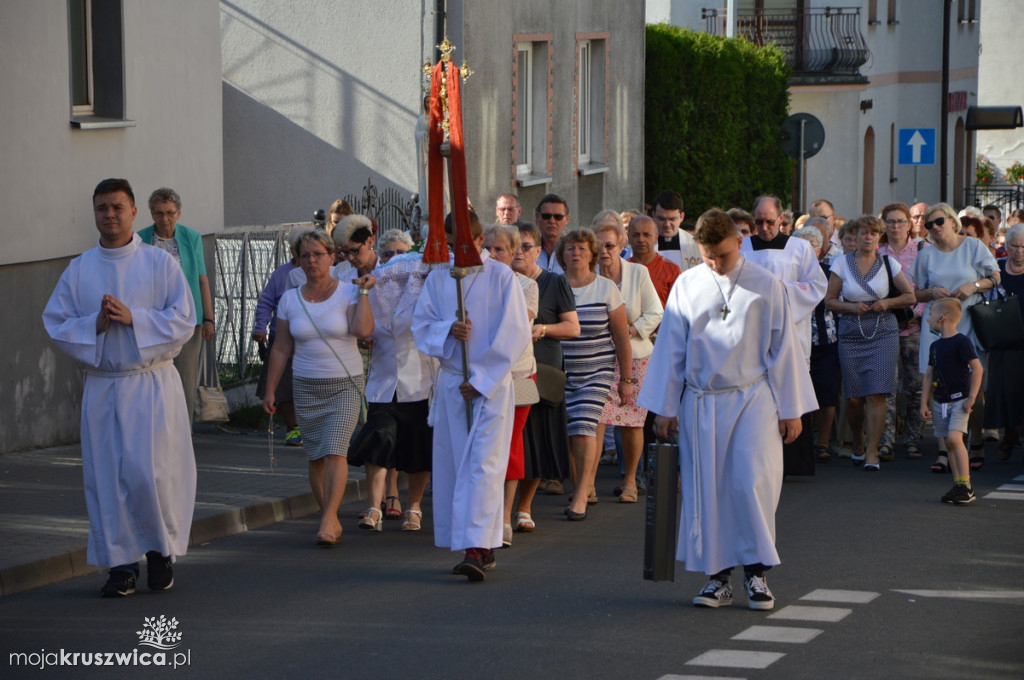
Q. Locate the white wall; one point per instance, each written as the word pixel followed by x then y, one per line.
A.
pixel 49 170
pixel 172 94
pixel 319 96
pixel 1001 80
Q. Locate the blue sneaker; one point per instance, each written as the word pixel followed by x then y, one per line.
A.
pixel 294 438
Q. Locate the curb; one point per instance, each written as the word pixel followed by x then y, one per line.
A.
pixel 72 564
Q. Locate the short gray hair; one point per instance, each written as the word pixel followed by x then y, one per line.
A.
pixel 394 236
pixel 164 195
pixel 510 233
pixel 1014 231
pixel 811 234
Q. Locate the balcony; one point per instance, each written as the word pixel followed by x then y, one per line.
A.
pixel 821 44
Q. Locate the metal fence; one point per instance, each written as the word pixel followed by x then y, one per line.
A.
pixel 247 256
pixel 1007 197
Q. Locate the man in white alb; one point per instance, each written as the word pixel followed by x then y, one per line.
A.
pixel 124 309
pixel 727 374
pixel 469 466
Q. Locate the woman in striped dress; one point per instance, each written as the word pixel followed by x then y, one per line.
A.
pixel 591 357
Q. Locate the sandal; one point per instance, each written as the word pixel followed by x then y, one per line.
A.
pixel 885 453
pixel 822 453
pixel 941 465
pixel 913 451
pixel 392 508
pixel 628 495
pixel 976 462
pixel 506 536
pixel 525 523
pixel 371 523
pixel 413 520
pixel 592 497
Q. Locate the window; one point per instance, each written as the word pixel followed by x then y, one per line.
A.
pixel 967 11
pixel 531 119
pixel 96 64
pixel 591 90
pixel 891 13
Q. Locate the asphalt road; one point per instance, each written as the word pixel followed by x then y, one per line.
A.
pixel 884 582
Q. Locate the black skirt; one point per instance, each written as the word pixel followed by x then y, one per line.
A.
pixel 395 435
pixel 546 443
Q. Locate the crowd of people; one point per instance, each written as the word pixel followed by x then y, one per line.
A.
pixel 716 335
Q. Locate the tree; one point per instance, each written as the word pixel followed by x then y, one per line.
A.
pixel 714 109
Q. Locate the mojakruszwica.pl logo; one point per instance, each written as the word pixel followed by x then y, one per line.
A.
pixel 158 633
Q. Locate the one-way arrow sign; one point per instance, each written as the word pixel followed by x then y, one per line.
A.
pixel 917 146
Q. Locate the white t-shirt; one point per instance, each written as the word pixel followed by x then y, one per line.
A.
pixel 313 358
pixel 853 291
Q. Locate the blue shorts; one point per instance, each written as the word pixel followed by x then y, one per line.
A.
pixel 949 416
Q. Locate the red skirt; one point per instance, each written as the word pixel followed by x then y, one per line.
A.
pixel 515 451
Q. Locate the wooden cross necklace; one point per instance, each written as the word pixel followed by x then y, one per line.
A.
pixel 724 309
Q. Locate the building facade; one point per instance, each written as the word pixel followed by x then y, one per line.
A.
pixel 867 70
pixel 322 96
pixel 116 89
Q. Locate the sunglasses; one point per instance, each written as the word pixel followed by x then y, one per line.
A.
pixel 552 216
pixel 764 223
pixel 937 222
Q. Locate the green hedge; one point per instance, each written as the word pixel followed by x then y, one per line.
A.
pixel 714 113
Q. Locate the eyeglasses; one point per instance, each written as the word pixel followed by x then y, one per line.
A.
pixel 764 223
pixel 937 222
pixel 558 217
pixel 312 256
pixel 352 252
pixel 526 248
pixel 610 246
pixel 391 253
pixel 917 218
pixel 510 208
pixel 895 223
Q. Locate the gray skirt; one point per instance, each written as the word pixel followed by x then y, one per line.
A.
pixel 869 349
pixel 327 410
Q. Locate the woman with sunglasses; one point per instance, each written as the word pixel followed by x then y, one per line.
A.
pixel 643 314
pixel 958 267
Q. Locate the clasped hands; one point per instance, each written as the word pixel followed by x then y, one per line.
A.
pixel 112 309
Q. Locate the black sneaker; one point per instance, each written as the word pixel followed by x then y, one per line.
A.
pixel 963 495
pixel 948 496
pixel 474 566
pixel 758 595
pixel 159 575
pixel 120 584
pixel 715 593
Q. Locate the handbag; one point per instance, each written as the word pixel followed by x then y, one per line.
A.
pixel 550 385
pixel 362 394
pixel 904 315
pixel 997 323
pixel 213 405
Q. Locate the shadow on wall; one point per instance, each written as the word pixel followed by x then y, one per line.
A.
pixel 298 130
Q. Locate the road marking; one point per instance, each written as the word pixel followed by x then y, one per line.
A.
pixel 735 658
pixel 968 594
pixel 696 677
pixel 845 596
pixel 825 614
pixel 1011 487
pixel 997 496
pixel 779 634
pixel 1019 478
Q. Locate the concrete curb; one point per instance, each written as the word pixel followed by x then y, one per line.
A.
pixel 72 564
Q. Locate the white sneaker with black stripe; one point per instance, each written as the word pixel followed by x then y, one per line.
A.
pixel 715 593
pixel 758 595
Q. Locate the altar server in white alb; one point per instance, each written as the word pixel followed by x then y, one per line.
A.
pixel 728 375
pixel 469 467
pixel 124 309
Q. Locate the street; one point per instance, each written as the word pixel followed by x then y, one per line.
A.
pixel 879 579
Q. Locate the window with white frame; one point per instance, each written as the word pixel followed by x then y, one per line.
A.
pixel 531 112
pixel 590 105
pixel 80 30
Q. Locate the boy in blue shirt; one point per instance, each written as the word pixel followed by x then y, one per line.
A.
pixel 953 380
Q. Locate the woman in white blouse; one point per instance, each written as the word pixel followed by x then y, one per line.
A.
pixel 643 314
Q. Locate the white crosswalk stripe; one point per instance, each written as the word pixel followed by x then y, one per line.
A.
pixel 779 634
pixel 735 658
pixel 825 614
pixel 845 596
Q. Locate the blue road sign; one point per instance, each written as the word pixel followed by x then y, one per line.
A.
pixel 917 146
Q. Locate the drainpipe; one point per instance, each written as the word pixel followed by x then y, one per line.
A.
pixel 944 122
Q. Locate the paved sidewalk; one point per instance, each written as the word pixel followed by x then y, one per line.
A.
pixel 44 525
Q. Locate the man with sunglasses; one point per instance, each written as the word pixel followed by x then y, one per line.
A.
pixel 792 261
pixel 551 218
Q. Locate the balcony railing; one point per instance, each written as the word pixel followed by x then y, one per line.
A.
pixel 820 40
